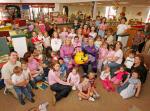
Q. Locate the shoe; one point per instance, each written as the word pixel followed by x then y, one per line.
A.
pixel 32 100
pixel 32 94
pixel 80 98
pixel 74 88
pixel 91 99
pixel 22 103
pixel 97 95
pixel 53 100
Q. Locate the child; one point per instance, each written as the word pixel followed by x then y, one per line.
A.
pixel 93 34
pixel 110 55
pixel 40 36
pixel 92 78
pixel 76 26
pixel 131 87
pixel 85 42
pixel 64 34
pixel 103 51
pixel 138 41
pixel 98 42
pixel 74 78
pixel 85 90
pixel 27 74
pixel 76 42
pixel 37 56
pixel 54 56
pixel 72 34
pixel 46 40
pixel 102 27
pixel 42 27
pixel 36 41
pixel 56 42
pixel 129 61
pixel 106 77
pixel 120 75
pixel 63 69
pixel 85 31
pixel 20 85
pixel 109 37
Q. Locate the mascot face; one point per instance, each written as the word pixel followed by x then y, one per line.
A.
pixel 81 58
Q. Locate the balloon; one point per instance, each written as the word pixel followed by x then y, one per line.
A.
pixel 80 58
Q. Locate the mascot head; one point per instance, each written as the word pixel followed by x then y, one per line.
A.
pixel 80 58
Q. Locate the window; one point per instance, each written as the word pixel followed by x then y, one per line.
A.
pixel 148 17
pixel 110 12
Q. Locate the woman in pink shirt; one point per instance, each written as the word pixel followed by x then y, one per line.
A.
pixel 57 85
pixel 64 34
pixel 36 70
pixel 66 52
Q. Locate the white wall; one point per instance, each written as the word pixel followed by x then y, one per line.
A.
pixel 131 11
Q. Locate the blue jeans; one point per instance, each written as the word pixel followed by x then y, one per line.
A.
pixel 37 79
pixel 20 90
pixel 61 90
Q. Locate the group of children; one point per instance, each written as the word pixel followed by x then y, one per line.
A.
pixel 47 51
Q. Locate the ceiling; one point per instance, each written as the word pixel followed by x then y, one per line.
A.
pixel 86 2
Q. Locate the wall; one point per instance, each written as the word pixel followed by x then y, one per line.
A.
pixel 131 11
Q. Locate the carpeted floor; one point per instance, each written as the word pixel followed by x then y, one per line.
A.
pixel 109 101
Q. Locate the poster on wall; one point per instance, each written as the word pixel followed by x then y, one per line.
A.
pixel 4 49
pixel 20 45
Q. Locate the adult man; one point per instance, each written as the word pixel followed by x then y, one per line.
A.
pixel 7 71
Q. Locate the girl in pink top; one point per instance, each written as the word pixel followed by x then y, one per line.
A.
pixel 76 42
pixel 66 52
pixel 42 27
pixel 74 78
pixel 102 27
pixel 110 55
pixel 120 75
pixel 57 85
pixel 64 34
pixel 103 51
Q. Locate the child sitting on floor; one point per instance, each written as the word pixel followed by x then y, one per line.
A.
pixel 129 61
pixel 85 90
pixel 74 78
pixel 106 77
pixel 120 75
pixel 131 87
pixel 63 69
pixel 92 79
pixel 20 85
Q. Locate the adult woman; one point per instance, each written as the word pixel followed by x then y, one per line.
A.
pixel 139 66
pixel 118 57
pixel 35 69
pixel 92 54
pixel 147 35
pixel 66 52
pixel 61 88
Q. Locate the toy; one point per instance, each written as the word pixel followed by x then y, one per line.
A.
pixel 80 58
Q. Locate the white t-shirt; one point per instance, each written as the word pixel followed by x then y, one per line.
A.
pixel 119 54
pixel 56 44
pixel 7 72
pixel 110 39
pixel 129 62
pixel 17 78
pixel 105 75
pixel 26 73
pixel 121 28
pixel 47 42
pixel 93 34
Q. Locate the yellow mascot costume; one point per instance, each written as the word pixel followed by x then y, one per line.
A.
pixel 80 58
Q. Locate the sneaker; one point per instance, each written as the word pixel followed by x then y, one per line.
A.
pixel 94 96
pixel 80 98
pixel 22 103
pixel 74 88
pixel 91 99
pixel 97 95
pixel 32 100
